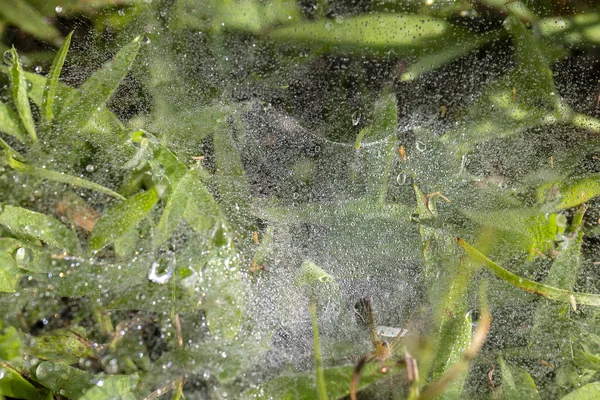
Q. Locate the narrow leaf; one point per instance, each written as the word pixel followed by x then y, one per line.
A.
pixel 21 221
pixel 9 273
pixel 119 219
pixel 27 18
pixel 82 105
pixel 10 123
pixel 517 383
pixel 587 392
pixel 19 91
pixel 52 80
pixel 530 286
pixel 321 383
pixel 61 177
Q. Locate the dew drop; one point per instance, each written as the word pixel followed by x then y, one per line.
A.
pixel 9 57
pixel 162 268
pixel 38 69
pixel 421 146
pixel 401 179
pixel 89 168
pixel 146 40
pixel 58 9
pixel 356 118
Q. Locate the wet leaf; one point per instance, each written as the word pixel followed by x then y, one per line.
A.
pixel 10 344
pixel 39 226
pixel 12 384
pixel 9 273
pixel 56 176
pixel 27 18
pixel 589 391
pixel 517 383
pixel 63 346
pixel 175 208
pixel 11 124
pixel 79 108
pixel 19 92
pixel 119 219
pixel 50 89
pixel 61 378
pixel 122 387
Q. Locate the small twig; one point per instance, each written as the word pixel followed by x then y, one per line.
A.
pixel 356 376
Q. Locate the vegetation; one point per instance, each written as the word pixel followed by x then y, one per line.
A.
pixel 221 199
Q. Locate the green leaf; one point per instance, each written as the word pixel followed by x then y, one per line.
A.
pixel 10 344
pixel 51 86
pixel 10 123
pixel 122 387
pixel 61 346
pixel 119 219
pixel 320 375
pixel 202 211
pixel 455 338
pixel 569 193
pixel 60 177
pixel 301 386
pixel 531 286
pixel 12 384
pixel 27 18
pixel 61 378
pixel 9 273
pixel 398 34
pixel 230 177
pixel 19 91
pixel 517 383
pixel 39 226
pixel 175 208
pixel 82 105
pixel 587 392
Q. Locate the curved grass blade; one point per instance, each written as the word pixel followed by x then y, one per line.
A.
pixel 531 286
pixel 40 226
pixel 118 220
pixel 570 192
pixel 589 391
pixel 517 383
pixel 60 177
pixel 52 80
pixel 10 123
pixel 321 384
pixel 19 91
pixel 83 104
pixel 27 18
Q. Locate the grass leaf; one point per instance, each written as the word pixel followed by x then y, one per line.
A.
pixel 27 18
pixel 119 219
pixel 21 221
pixel 61 177
pixel 587 392
pixel 531 286
pixel 60 377
pixel 10 123
pixel 9 273
pixel 12 384
pixel 51 86
pixel 83 104
pixel 517 383
pixel 19 92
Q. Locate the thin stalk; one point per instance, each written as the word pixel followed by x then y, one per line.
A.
pixel 321 386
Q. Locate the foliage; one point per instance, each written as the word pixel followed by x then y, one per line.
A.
pixel 189 175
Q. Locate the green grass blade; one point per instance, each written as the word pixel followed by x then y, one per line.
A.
pixel 587 392
pixel 82 105
pixel 174 210
pixel 531 286
pixel 61 177
pixel 19 13
pixel 10 123
pixel 57 376
pixel 21 221
pixel 230 177
pixel 517 383
pixel 12 384
pixel 19 92
pixel 118 220
pixel 52 80
pixel 9 273
pixel 321 383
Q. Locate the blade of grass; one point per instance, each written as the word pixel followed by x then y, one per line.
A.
pixel 27 18
pixel 530 286
pixel 321 384
pixel 52 80
pixel 10 123
pixel 119 219
pixel 83 104
pixel 19 91
pixel 60 177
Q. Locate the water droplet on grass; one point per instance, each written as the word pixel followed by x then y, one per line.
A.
pixel 356 118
